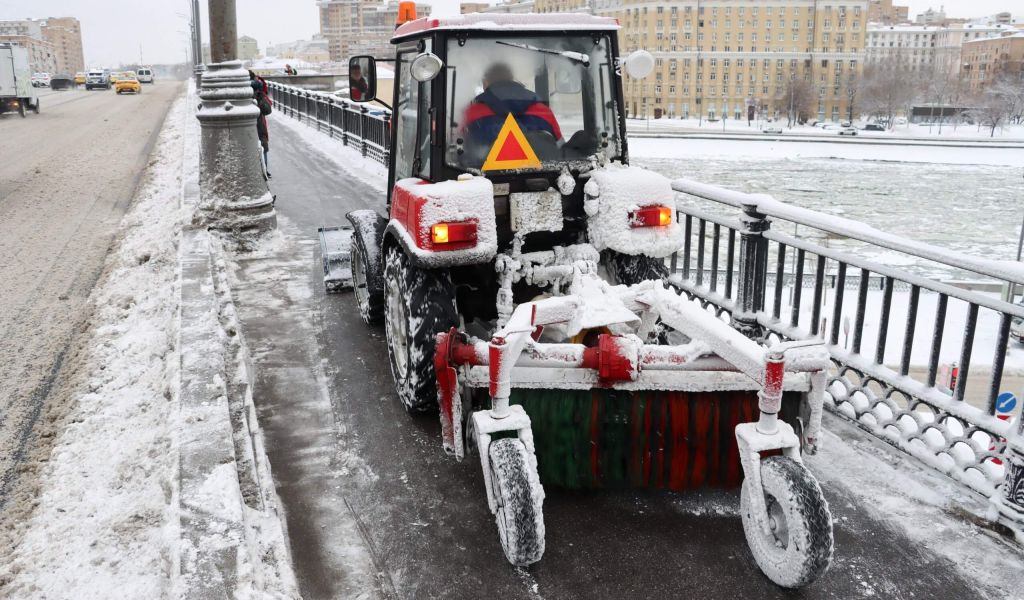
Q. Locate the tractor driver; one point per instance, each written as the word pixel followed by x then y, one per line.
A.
pixel 502 96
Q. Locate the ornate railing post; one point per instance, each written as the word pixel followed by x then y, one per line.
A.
pixel 386 142
pixel 1009 506
pixel 753 272
pixel 362 128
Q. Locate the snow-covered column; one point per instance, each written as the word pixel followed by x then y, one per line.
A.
pixel 753 272
pixel 234 193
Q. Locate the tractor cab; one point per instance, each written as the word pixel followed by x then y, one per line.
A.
pixel 519 99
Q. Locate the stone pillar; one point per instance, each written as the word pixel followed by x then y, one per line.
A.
pixel 234 195
pixel 223 31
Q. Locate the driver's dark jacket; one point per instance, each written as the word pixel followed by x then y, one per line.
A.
pixel 485 116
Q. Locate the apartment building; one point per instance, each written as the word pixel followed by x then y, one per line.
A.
pixel 723 58
pixel 248 48
pixel 354 27
pixel 910 45
pixel 466 8
pixel 988 60
pixel 54 45
pixel 884 12
pixel 65 34
pixel 949 41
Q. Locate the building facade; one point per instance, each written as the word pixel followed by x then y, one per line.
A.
pixel 311 51
pixel 989 60
pixel 911 45
pixel 65 34
pixel 884 12
pixel 473 7
pixel 731 58
pixel 248 48
pixel 949 42
pixel 354 27
pixel 54 45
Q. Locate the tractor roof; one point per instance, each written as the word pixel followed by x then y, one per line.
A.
pixel 508 22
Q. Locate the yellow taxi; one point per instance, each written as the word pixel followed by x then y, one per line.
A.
pixel 80 78
pixel 127 82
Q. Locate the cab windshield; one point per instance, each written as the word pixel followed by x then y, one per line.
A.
pixel 558 90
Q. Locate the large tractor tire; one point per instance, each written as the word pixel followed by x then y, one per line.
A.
pixel 370 301
pixel 418 305
pixel 799 548
pixel 518 502
pixel 628 270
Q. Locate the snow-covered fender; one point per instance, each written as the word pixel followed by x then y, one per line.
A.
pixel 418 205
pixel 612 194
pixel 368 231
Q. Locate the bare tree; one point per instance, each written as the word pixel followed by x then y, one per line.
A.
pixel 798 99
pixel 991 109
pixel 887 89
pixel 1011 90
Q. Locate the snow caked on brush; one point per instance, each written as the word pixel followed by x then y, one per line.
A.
pixel 105 524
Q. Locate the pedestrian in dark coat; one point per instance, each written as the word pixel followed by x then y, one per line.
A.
pixel 260 92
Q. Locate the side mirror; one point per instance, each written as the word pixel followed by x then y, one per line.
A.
pixel 639 64
pixel 362 78
pixel 425 67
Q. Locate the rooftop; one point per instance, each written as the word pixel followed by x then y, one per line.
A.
pixel 507 22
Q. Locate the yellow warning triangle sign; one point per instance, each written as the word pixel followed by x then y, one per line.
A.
pixel 511 150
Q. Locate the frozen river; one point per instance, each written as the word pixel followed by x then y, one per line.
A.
pixel 965 199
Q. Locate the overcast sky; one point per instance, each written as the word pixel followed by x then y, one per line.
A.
pixel 114 30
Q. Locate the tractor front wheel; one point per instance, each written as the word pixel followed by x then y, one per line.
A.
pixel 371 302
pixel 518 500
pixel 418 305
pixel 799 547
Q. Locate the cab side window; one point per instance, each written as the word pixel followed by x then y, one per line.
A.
pixel 412 123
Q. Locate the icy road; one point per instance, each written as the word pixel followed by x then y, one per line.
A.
pixel 376 510
pixel 67 176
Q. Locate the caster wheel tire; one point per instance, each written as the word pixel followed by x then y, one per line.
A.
pixel 418 305
pixel 370 302
pixel 519 502
pixel 22 111
pixel 35 108
pixel 799 548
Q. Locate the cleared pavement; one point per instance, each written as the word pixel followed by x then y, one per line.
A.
pixel 67 176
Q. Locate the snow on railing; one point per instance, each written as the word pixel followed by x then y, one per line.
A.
pixel 367 128
pixel 917 387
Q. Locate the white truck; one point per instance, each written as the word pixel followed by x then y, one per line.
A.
pixel 16 91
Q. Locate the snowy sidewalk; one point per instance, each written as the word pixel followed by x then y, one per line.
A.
pixel 130 485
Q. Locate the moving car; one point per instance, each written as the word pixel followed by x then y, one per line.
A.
pixel 145 75
pixel 97 79
pixel 847 131
pixel 40 80
pixel 772 128
pixel 80 78
pixel 874 127
pixel 128 84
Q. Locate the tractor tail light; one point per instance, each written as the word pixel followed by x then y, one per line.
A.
pixel 452 233
pixel 651 216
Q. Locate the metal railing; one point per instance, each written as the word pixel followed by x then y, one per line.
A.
pixel 362 127
pixel 885 377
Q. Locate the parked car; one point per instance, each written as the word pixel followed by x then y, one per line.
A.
pixel 97 80
pixel 40 80
pixel 145 75
pixel 830 126
pixel 128 83
pixel 847 131
pixel 80 78
pixel 772 128
pixel 845 124
pixel 874 127
pixel 1017 329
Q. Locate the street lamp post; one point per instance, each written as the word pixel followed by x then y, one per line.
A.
pixel 234 195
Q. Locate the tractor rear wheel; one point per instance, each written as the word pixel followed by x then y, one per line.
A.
pixel 371 302
pixel 518 502
pixel 418 305
pixel 799 548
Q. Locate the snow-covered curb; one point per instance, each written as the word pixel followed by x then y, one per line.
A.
pixel 117 511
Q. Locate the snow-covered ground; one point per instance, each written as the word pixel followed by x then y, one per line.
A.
pixel 105 523
pixel 911 131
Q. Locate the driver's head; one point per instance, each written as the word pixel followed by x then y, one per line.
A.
pixel 496 73
pixel 356 72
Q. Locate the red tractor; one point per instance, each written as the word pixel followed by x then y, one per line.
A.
pixel 519 271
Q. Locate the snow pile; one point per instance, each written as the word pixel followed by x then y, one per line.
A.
pixel 106 521
pixel 614 192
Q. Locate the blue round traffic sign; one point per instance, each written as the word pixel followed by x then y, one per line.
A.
pixel 1006 402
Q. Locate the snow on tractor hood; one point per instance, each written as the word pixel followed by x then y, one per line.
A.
pixel 612 194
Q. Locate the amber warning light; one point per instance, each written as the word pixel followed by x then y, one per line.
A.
pixel 651 216
pixel 406 12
